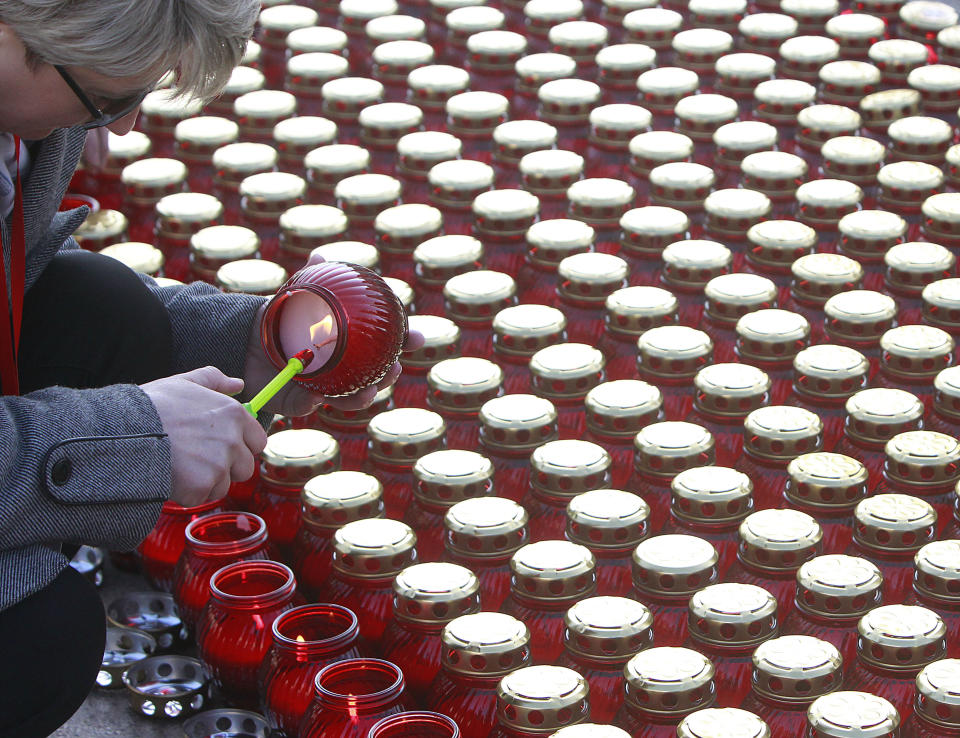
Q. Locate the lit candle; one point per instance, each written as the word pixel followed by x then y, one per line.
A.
pixel 307 322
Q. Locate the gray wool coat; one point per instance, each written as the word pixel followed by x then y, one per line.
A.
pixel 112 436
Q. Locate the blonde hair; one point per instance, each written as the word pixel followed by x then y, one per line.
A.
pixel 201 40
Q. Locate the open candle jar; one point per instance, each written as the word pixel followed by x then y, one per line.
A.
pixel 123 648
pixel 346 315
pixel 167 686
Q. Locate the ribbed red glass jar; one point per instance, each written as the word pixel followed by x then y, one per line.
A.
pixel 351 697
pixel 163 546
pixel 305 639
pixel 234 632
pixel 935 709
pixel 213 541
pixel 936 582
pixel 535 699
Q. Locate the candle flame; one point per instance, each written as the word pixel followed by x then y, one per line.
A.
pixel 301 639
pixel 322 333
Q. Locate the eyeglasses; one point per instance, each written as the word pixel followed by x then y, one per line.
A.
pixel 111 113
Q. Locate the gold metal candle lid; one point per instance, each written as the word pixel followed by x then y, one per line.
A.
pixel 673 351
pixel 566 101
pixel 880 108
pixel 150 179
pixel 243 79
pixel 941 303
pixel 614 126
pixel 472 114
pixel 735 141
pixel 535 69
pixel 669 681
pixel 652 26
pixel 456 183
pixel 938 694
pixel 590 730
pixel 692 263
pixel 291 457
pixel 553 570
pixel 327 165
pixel 619 65
pixel 542 15
pixel 779 244
pixel 876 415
pixel 566 370
pixel 731 212
pixel 632 310
pixel 332 500
pixel 701 47
pixel 345 97
pixel 665 449
pixel 622 407
pixel 314 39
pixel 853 715
pixel 901 637
pixel 123 150
pixel 774 173
pixel 403 435
pixel 463 384
pixel 916 351
pixel 383 124
pixel 350 252
pixel 838 586
pixel 402 290
pixel 444 478
pixel 564 469
pixel 717 13
pixel 653 148
pixel 781 432
pixel 143 258
pixel 517 423
pixel 826 201
pixel 739 73
pixel 251 276
pixel 515 139
pixel 443 257
pixel 420 151
pixel 771 335
pixel 804 55
pixel 375 548
pixel 937 573
pixel 681 184
pixel 200 136
pixel 435 593
pixel 403 227
pixel 894 522
pixel 599 200
pixel 442 341
pixel 579 39
pixel 504 213
pixel 731 296
pixel 859 316
pixel 699 116
pixel 660 89
pixel 163 108
pixel 923 458
pixel 674 565
pixel 906 184
pixel 607 519
pixel 913 265
pixel 272 192
pixel 542 699
pixel 522 330
pixel 779 540
pixel 551 241
pixel 819 123
pixel 920 138
pixel 938 84
pixel 723 722
pixel 826 480
pixel 394 60
pixel 941 214
pixel 465 21
pixel 550 173
pixel 478 295
pixel 261 109
pixel 646 231
pixel 868 234
pixel 356 419
pixel 946 397
pixel 296 137
pixel 395 28
pixel 609 629
pixel 303 225
pixel 796 669
pixel 731 390
pixel 711 494
pixel 591 277
pixel 363 196
pixel 483 644
pixel 729 615
pixel 767 30
pixel 485 527
pixel 101 227
pixel 432 85
pixel 856 159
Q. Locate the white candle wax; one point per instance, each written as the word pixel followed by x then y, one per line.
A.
pixel 307 322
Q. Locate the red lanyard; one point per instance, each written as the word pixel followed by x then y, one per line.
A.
pixel 11 306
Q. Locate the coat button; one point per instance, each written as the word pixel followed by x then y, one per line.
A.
pixel 60 473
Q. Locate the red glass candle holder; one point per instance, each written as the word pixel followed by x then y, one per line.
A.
pixel 305 640
pixel 347 315
pixel 161 549
pixel 351 697
pixel 415 725
pixel 212 542
pixel 234 632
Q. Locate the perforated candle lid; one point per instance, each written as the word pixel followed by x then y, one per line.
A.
pixel 901 637
pixel 722 722
pixel 607 519
pixel 478 295
pixel 609 629
pixel 828 371
pixel 730 615
pixel 485 644
pixel 674 565
pixel 781 432
pixel 402 435
pixel 937 571
pixel 779 540
pixel 461 385
pixel 622 407
pixel 669 681
pixel 334 499
pixel 435 593
pixel 517 422
pixel 838 586
pixel 853 715
pixel 731 296
pixel 916 351
pixel 667 448
pixel 547 697
pixel 711 494
pixel 522 330
pixel 291 457
pixel 859 316
pixel 946 398
pixel 566 468
pixel 485 527
pixel 375 548
pixel 566 370
pixel 251 276
pixel 796 668
pixel 731 390
pixel 894 523
pixel 395 28
pixel 632 310
pixel 553 570
pixel 692 263
pixel 771 335
pixel 923 458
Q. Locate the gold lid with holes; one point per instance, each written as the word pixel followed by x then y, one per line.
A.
pixel 303 225
pixel 142 258
pixel 306 74
pixel 780 100
pixel 327 165
pixel 673 351
pixel 941 304
pixel 879 109
pixel 476 113
pixel 330 501
pixel 402 290
pixel 894 523
pixel 578 38
pixel 723 722
pixel 504 213
pixel 599 200
pixel 375 548
pixel 564 469
pixel 633 310
pixel 607 519
pixel 395 28
pixel 345 97
pixel 484 644
pixel 162 108
pixel 859 316
pixel 534 70
pixel 653 148
pixel 711 494
pixel 674 565
pixel 444 478
pixel 271 193
pixel 394 60
pixel 517 423
pixel 938 694
pixel 904 185
pixel 355 419
pixel 381 125
pixel 699 116
pixel 735 141
pixel 478 295
pixel 913 265
pixel 123 150
pixel 654 26
pixel 778 244
pixel 781 432
pixel 403 435
pixel 731 212
pixel 566 371
pixel 197 138
pixel 772 335
pixel 730 390
pixel 855 159
pixel 401 228
pixel 455 183
pixel 796 669
pixel 435 593
pixel 823 202
pixel 901 637
pixel 830 372
pixel 420 151
pixel 567 101
pixel 819 123
pixel 461 385
pixel 441 341
pixel 485 527
pixel 432 85
pixel 441 258
pixel 777 174
pixel 692 263
pixel 494 50
pixel 730 615
pixel 619 65
pixel 363 196
pixel 350 252
pixel 553 570
pixel 622 407
pixel 550 173
pixel 591 277
pixel 646 231
pixel 916 352
pixel 681 184
pixel 731 296
pixel 876 415
pixel 148 180
pixel 937 571
pixel 292 457
pixel 941 214
pixel 838 586
pixel 938 85
pixel 515 139
pixel 608 629
pixel 614 126
pixel 102 227
pixel 779 540
pixel 846 714
pixel 667 448
pixel 920 138
pixel 867 235
pixel 251 277
pixel 923 458
pixel 542 699
pixel 946 397
pixel 551 241
pixel 316 39
pixel 668 681
pixel 522 330
pixel 739 72
pixel 825 480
